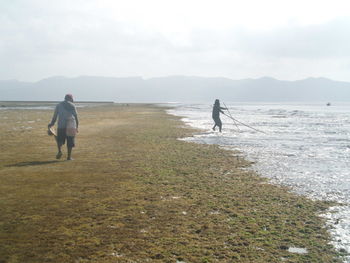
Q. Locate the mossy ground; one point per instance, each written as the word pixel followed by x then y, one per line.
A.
pixel 135 193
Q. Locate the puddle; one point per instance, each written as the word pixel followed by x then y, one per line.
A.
pixel 297 250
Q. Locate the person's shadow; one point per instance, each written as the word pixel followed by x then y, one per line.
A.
pixel 22 164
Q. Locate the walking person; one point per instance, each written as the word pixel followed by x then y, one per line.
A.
pixel 216 114
pixel 67 125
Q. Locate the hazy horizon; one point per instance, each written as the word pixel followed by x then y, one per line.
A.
pixel 176 88
pixel 171 76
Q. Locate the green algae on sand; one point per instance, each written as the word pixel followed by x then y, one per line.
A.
pixel 135 193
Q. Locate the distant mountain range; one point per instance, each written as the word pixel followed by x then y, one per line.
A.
pixel 175 89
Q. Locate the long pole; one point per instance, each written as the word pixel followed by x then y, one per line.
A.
pixel 244 123
pixel 231 116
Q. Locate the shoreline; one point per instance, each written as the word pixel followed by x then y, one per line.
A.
pixel 135 193
pixel 316 185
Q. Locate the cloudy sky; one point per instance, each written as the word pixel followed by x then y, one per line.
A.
pixel 289 39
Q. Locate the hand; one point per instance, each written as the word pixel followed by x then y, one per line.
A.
pixel 49 126
pixel 77 130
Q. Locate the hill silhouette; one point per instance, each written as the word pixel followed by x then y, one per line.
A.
pixel 176 88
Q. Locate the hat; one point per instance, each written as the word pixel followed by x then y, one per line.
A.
pixel 68 97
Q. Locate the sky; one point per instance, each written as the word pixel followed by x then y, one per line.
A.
pixel 283 39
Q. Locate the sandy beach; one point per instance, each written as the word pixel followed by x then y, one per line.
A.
pixel 135 193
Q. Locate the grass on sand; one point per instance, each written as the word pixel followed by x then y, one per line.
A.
pixel 135 193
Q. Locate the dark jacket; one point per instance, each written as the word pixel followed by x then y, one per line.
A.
pixel 216 111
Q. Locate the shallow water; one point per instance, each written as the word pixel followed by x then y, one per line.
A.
pixel 27 108
pixel 305 146
pixel 42 105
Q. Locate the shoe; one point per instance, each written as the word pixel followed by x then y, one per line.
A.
pixel 70 159
pixel 59 155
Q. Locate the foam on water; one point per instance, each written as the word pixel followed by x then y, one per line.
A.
pixel 306 147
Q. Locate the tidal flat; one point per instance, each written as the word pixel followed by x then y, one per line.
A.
pixel 136 193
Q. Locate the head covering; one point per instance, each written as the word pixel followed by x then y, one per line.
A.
pixel 217 102
pixel 69 97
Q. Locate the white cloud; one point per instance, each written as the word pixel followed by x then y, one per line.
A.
pixel 284 39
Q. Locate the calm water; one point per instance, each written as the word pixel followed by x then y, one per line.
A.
pixel 306 147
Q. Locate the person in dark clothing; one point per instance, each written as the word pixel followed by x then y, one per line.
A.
pixel 67 125
pixel 216 114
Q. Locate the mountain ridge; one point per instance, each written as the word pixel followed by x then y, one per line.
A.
pixel 176 88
